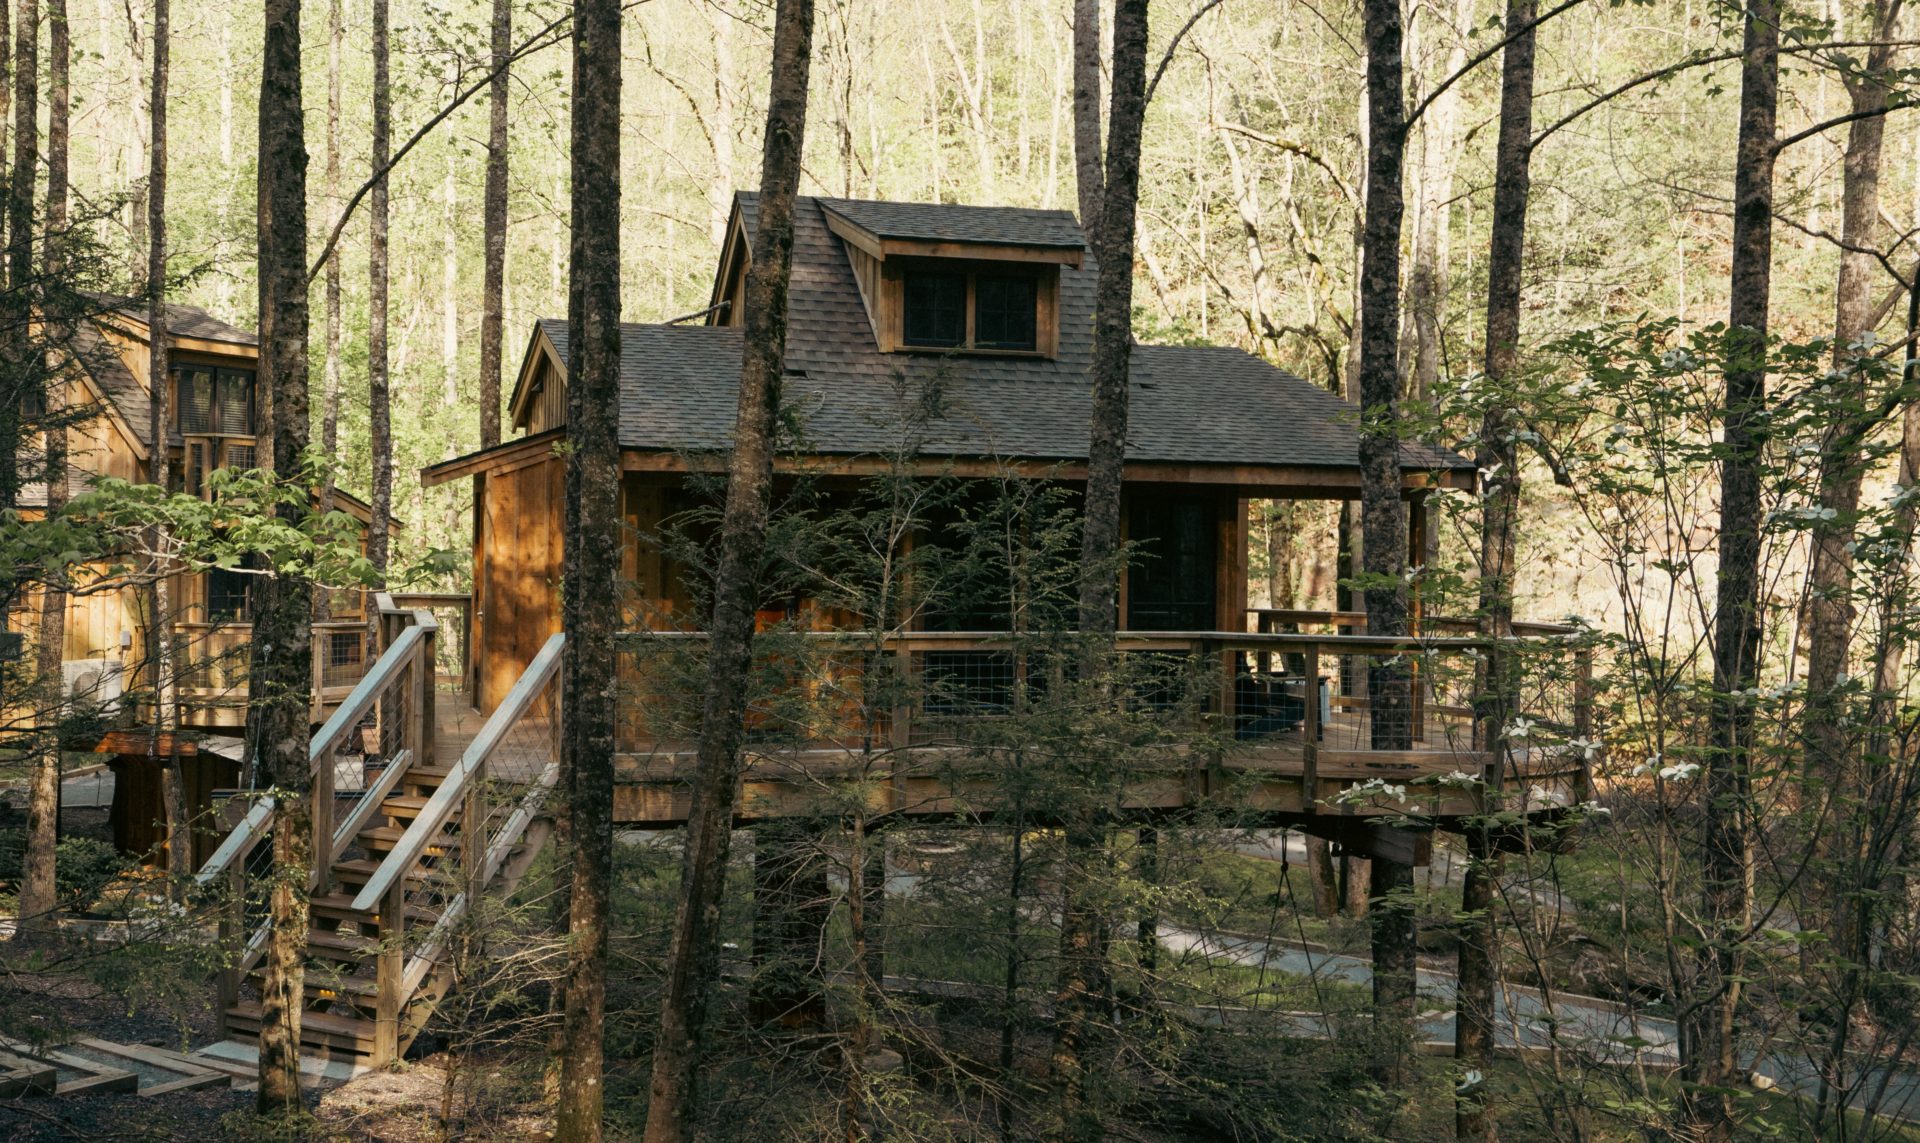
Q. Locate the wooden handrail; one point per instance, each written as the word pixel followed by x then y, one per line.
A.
pixel 428 953
pixel 242 839
pixel 452 791
pixel 248 832
pixel 1127 640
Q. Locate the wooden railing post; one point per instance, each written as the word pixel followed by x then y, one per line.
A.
pixel 901 730
pixel 425 679
pixel 325 773
pixel 389 969
pixel 1310 731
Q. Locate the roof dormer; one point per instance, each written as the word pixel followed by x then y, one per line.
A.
pixel 947 279
pixel 934 278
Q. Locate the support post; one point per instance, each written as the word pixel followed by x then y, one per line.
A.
pixel 424 679
pixel 389 973
pixel 324 776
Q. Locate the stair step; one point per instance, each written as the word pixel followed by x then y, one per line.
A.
pixel 321 985
pixel 320 1029
pixel 359 871
pixel 406 806
pixel 339 907
pixel 340 946
pixel 381 839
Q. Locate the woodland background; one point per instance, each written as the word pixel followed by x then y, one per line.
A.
pixel 1248 217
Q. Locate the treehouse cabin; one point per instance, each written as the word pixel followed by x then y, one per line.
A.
pixel 215 411
pixel 955 341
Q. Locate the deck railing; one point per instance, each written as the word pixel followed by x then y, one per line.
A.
pixel 1348 707
pixel 358 756
pixel 472 826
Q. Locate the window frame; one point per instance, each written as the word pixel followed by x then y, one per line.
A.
pixel 220 376
pixel 1044 279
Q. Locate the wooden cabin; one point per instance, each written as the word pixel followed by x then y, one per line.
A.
pixel 215 417
pixel 991 308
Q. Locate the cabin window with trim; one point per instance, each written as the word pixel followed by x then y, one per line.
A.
pixel 229 595
pixel 944 309
pixel 209 401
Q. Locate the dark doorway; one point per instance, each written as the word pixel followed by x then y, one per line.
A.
pixel 1172 582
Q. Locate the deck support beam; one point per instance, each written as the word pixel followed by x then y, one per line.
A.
pixel 791 907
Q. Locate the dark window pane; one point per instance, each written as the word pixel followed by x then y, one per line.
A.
pixel 236 403
pixel 195 401
pixel 1003 314
pixel 227 596
pixel 936 310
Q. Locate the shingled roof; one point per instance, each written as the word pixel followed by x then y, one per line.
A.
pixel 939 222
pixel 1195 405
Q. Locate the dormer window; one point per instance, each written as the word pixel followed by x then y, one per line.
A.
pixel 982 308
pixel 945 278
pixel 936 311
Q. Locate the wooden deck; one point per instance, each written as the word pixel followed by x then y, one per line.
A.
pixel 1267 780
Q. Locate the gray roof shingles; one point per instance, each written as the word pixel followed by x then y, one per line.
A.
pixel 1197 405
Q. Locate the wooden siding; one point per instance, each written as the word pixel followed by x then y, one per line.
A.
pixel 517 553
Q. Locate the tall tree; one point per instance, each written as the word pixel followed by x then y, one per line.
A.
pixel 37 895
pixel 694 952
pixel 1710 1056
pixel 1383 514
pixel 1086 112
pixel 330 407
pixel 592 561
pixel 1083 948
pixel 20 238
pixel 494 224
pixel 1828 611
pixel 379 397
pixel 160 390
pixel 1498 459
pixel 279 677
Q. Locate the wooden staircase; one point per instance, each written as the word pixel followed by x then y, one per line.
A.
pixel 409 849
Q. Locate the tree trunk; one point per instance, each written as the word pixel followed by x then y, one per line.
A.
pixel 1382 512
pixel 1828 612
pixel 1086 114
pixel 280 677
pixel 20 238
pixel 1083 984
pixel 330 411
pixel 379 397
pixel 160 597
pixel 1433 206
pixel 494 223
pixel 693 955
pixel 1711 1056
pixel 38 892
pixel 1499 459
pixel 590 683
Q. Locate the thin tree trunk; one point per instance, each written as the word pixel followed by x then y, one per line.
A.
pixel 1498 459
pixel 494 223
pixel 20 239
pixel 1383 513
pixel 694 952
pixel 1083 984
pixel 38 887
pixel 1086 114
pixel 379 397
pixel 590 683
pixel 330 411
pixel 160 596
pixel 1710 1049
pixel 1828 612
pixel 280 681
